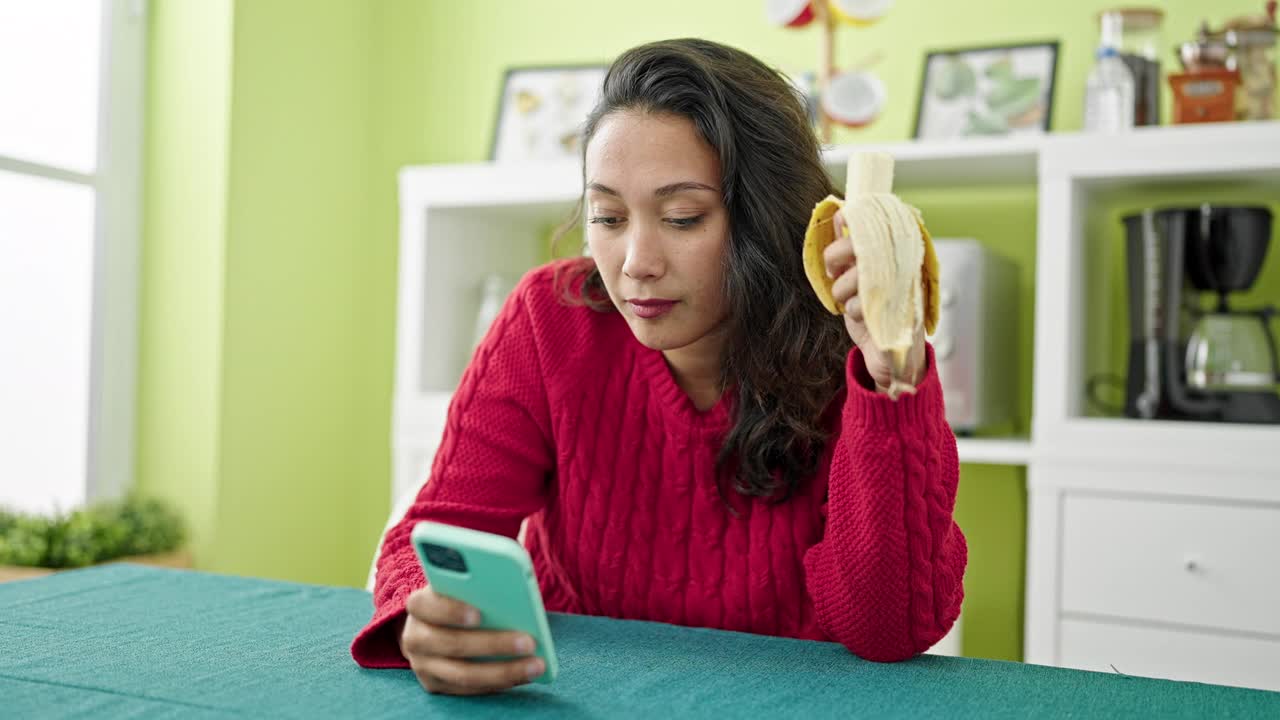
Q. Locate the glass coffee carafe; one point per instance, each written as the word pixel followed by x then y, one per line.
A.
pixel 1232 352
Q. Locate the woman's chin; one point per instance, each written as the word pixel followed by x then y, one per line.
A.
pixel 653 336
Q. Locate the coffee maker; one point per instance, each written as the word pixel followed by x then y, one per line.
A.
pixel 1188 362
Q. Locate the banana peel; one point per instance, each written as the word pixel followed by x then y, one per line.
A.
pixel 821 233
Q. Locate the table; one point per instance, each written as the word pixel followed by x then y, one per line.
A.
pixel 133 641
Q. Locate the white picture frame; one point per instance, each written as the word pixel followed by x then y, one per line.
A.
pixel 542 110
pixel 987 91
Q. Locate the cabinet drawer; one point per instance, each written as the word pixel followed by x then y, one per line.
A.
pixel 1213 566
pixel 1171 654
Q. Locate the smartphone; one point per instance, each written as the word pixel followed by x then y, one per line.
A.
pixel 491 573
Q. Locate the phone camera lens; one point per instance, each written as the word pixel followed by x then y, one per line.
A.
pixel 443 557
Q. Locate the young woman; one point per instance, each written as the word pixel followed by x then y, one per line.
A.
pixel 691 437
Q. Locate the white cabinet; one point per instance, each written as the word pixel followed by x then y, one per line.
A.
pixel 1171 560
pixel 1171 653
pixel 1164 571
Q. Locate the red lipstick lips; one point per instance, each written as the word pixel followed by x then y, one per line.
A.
pixel 650 309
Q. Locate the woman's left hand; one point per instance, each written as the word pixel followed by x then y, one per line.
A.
pixel 842 265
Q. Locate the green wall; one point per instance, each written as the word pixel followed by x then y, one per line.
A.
pixel 256 374
pixel 181 296
pixel 276 131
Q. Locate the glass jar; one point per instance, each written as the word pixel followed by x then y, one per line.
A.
pixel 1140 31
pixel 1254 55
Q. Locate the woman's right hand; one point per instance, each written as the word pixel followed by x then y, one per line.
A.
pixel 439 642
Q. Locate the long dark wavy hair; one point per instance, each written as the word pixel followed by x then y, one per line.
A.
pixel 784 354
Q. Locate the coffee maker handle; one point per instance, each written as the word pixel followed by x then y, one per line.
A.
pixel 1173 364
pixel 1201 245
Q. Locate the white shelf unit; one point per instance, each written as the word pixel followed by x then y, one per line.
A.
pixel 942 164
pixel 1073 172
pixel 994 451
pixel 459 223
pixel 1148 541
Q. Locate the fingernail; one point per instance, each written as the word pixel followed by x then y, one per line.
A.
pixel 535 668
pixel 471 618
pixel 524 645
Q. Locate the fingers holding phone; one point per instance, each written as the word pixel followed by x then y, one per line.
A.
pixel 479 626
pixel 442 643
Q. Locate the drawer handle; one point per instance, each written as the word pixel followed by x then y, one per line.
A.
pixel 1192 564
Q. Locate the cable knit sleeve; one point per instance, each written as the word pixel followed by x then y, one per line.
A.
pixel 886 579
pixel 489 473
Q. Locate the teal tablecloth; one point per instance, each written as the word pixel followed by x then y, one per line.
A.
pixel 128 641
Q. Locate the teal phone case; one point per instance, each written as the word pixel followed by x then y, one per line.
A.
pixel 499 582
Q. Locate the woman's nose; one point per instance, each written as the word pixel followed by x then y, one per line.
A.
pixel 644 259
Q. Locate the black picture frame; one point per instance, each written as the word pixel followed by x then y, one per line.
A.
pixel 1044 99
pixel 586 73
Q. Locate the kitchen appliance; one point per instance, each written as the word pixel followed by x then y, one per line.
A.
pixel 1204 96
pixel 1187 362
pixel 1234 65
pixel 974 340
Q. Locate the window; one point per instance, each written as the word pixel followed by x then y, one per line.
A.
pixel 71 75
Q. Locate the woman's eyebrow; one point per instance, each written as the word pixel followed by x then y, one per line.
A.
pixel 673 188
pixel 664 191
pixel 603 189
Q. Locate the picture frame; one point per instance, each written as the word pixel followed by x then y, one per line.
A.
pixel 988 91
pixel 541 111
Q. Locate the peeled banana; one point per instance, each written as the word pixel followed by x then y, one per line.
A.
pixel 897 265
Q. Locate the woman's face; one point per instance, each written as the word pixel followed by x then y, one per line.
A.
pixel 657 227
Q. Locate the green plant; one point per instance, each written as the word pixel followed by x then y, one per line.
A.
pixel 94 534
pixel 24 540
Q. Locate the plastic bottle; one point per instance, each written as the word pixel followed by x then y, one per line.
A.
pixel 1109 91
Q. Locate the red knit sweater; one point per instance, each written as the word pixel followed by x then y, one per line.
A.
pixel 564 418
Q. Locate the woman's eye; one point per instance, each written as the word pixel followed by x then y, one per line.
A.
pixel 685 223
pixel 606 220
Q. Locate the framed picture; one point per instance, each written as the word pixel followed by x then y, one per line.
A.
pixel 542 110
pixel 987 91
